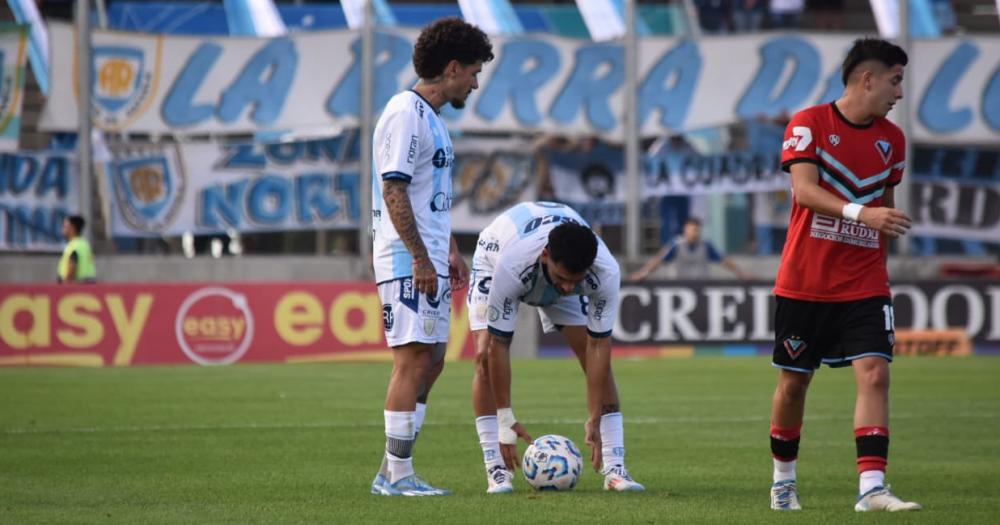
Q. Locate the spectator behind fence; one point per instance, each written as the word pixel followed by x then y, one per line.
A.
pixel 77 262
pixel 787 14
pixel 748 15
pixel 691 257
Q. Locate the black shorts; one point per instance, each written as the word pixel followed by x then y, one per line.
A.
pixel 808 333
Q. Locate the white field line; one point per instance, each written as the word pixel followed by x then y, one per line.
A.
pixel 332 425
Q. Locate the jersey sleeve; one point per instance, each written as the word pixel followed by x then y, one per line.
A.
pixel 602 309
pixel 504 299
pixel 800 141
pixel 399 143
pixel 898 161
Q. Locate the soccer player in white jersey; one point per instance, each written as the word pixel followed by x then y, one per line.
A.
pixel 544 254
pixel 417 264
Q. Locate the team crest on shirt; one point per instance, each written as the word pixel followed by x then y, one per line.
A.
pixel 834 139
pixel 429 325
pixel 884 149
pixel 794 346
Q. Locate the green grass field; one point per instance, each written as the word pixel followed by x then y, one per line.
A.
pixel 300 443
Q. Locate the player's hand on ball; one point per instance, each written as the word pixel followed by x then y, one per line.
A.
pixel 509 451
pixel 890 221
pixel 592 431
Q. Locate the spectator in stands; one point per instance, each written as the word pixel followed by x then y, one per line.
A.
pixel 77 262
pixel 944 13
pixel 691 257
pixel 748 15
pixel 713 15
pixel 787 14
pixel 827 14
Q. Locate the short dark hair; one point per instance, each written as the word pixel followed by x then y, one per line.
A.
pixel 865 49
pixel 77 222
pixel 573 245
pixel 449 39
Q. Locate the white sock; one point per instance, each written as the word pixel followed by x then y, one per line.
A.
pixel 489 440
pixel 418 418
pixel 399 444
pixel 612 440
pixel 784 470
pixel 870 479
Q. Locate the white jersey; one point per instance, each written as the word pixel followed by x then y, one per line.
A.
pixel 510 247
pixel 411 144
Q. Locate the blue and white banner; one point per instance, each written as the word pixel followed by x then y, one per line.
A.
pixel 13 57
pixel 955 193
pixel 168 84
pixel 213 187
pixel 37 191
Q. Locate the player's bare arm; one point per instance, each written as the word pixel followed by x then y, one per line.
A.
pixel 401 213
pixel 598 365
pixel 807 191
pixel 458 271
pixel 650 265
pixel 498 350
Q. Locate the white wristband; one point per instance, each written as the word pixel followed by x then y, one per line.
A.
pixel 505 420
pixel 852 211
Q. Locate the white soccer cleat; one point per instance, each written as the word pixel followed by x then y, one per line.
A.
pixel 378 484
pixel 617 478
pixel 412 485
pixel 881 498
pixel 501 480
pixel 785 496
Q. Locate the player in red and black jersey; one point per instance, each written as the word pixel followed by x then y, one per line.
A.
pixel 832 290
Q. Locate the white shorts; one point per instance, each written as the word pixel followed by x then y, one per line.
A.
pixel 569 310
pixel 409 317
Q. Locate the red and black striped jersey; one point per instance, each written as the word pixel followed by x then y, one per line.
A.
pixel 832 259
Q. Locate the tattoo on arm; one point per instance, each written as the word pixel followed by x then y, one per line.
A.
pixel 610 409
pixel 401 213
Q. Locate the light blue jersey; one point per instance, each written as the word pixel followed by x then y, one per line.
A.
pixel 411 144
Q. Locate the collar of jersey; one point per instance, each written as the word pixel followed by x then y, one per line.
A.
pixel 436 112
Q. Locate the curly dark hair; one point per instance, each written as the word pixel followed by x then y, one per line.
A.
pixel 449 39
pixel 865 49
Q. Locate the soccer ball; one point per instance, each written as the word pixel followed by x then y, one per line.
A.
pixel 552 463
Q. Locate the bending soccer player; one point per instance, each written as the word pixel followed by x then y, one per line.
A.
pixel 543 254
pixel 832 290
pixel 416 260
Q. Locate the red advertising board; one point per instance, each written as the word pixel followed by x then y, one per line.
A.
pixel 208 324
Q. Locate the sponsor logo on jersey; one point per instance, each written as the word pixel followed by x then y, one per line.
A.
pixel 884 149
pixel 843 230
pixel 419 106
pixel 599 309
pixel 490 246
pixel 411 154
pixel 441 202
pixel 508 308
pixel 794 346
pixel 443 158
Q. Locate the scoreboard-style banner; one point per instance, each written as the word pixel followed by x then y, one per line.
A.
pixel 672 318
pixel 206 324
pixel 151 83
